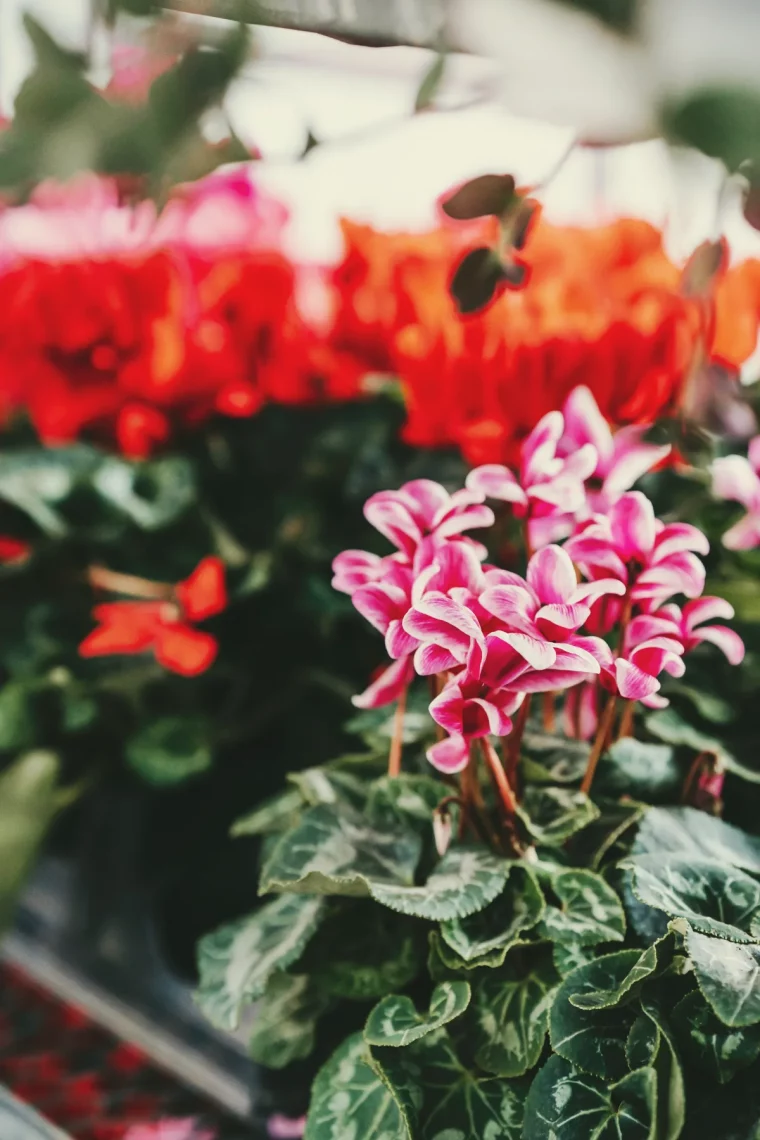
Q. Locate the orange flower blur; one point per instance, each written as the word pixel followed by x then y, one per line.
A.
pixel 602 307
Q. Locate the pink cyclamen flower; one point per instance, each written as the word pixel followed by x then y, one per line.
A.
pixel 622 457
pixel 423 514
pixel 687 625
pixel 170 1129
pixel 286 1127
pixel 634 674
pixel 355 568
pixel 388 686
pixel 548 488
pixel 653 559
pixel 738 479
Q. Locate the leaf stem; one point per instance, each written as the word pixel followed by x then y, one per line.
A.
pixel 103 579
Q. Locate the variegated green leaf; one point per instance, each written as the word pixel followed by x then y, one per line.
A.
pixel 330 786
pixel 567 956
pixel 349 1101
pixel 714 898
pixel 274 815
pixel 509 1019
pixel 286 1020
pixel 728 975
pixel 552 815
pixel 686 831
pixel 334 851
pixel 709 1044
pixel 594 1041
pixel 642 771
pixel 395 1022
pixel 465 881
pixel 236 962
pixel 590 911
pixel 449 1101
pixel 650 962
pixel 518 908
pixel 643 1043
pixel 567 1104
pixel 671 1095
pixel 405 799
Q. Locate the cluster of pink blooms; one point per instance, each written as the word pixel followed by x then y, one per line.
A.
pixel 488 636
pixel 738 479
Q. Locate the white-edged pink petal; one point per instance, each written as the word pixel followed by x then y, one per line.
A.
pixel 439 618
pixel 584 423
pixel 633 683
pixel 495 481
pixel 386 514
pixel 472 518
pixel 516 606
pixel 387 687
pixel 556 622
pixel 744 535
pixel 537 653
pixel 450 755
pixel 381 604
pixel 430 499
pixel 727 640
pixel 705 609
pixel 551 575
pixel 674 538
pixel 631 459
pixel 399 643
pixel 589 591
pixel 632 526
pixel 734 478
pixel 430 659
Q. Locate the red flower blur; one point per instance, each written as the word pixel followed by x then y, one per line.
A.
pixel 160 623
pixel 603 307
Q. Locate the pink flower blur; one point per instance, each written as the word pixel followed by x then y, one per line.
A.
pixel 738 479
pixel 174 1129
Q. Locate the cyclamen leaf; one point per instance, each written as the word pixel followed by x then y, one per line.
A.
pixel 395 1022
pixel 518 908
pixel 686 831
pixel 286 1020
pixel 510 1020
pixel 567 956
pixel 167 751
pixel 671 1100
pixel 465 881
pixel 406 799
pixel 566 1104
pixel 349 1099
pixel 333 851
pixel 450 1100
pixel 552 815
pixel 330 786
pixel 728 974
pixel 363 952
pixel 444 963
pixel 274 815
pixel 651 961
pixel 236 962
pixel 711 1045
pixel 591 912
pixel 642 771
pixel 715 899
pixel 551 759
pixel 595 1040
pixel 643 1043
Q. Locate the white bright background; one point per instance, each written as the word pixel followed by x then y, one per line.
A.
pixel 386 167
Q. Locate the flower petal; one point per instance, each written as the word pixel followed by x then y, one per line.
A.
pixel 204 593
pixel 633 683
pixel 632 526
pixel 387 687
pixel 551 575
pixel 450 755
pixel 726 640
pixel 733 478
pixel 705 609
pixel 632 458
pixel 556 622
pixel 430 659
pixel 496 482
pixel 380 604
pixel 387 515
pixel 744 535
pixel 429 497
pixel 183 650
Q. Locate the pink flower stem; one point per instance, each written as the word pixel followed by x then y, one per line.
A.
pixel 626 720
pixel 526 538
pixel 692 777
pixel 103 579
pixel 394 756
pixel 548 712
pixel 514 741
pixel 499 777
pixel 605 724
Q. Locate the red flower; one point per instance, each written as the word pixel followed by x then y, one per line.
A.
pixel 13 549
pixel 163 623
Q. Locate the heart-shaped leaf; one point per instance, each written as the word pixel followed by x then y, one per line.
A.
pixel 334 851
pixel 644 771
pixel 567 1104
pixel 395 1022
pixel 286 1020
pixel 236 962
pixel 729 976
pixel 685 831
pixel 509 1019
pixel 518 908
pixel 590 911
pixel 594 1040
pixel 709 1044
pixel 465 881
pixel 715 899
pixel 348 1098
pixel 651 961
pixel 552 815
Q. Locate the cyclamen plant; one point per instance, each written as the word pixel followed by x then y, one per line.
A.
pixel 509 938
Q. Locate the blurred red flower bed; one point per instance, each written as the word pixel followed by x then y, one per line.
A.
pixel 124 325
